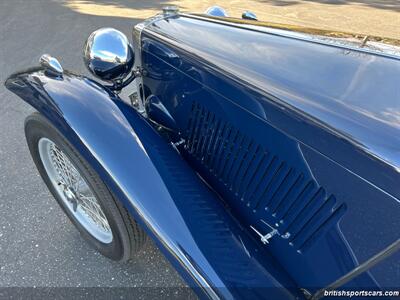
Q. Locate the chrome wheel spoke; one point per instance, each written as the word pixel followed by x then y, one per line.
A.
pixel 92 208
pixel 67 172
pixel 74 191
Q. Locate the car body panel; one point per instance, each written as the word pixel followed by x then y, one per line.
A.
pixel 350 94
pixel 196 232
pixel 299 134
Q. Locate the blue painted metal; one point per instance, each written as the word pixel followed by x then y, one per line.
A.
pixel 299 134
pixel 157 112
pixel 203 240
pixel 349 98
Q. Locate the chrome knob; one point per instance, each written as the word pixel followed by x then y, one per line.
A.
pixel 170 10
pixel 248 15
pixel 216 11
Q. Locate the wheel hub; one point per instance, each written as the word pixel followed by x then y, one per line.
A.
pixel 71 196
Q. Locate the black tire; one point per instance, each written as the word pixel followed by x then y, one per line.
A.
pixel 128 237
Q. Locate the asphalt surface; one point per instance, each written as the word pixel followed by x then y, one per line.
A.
pixel 39 247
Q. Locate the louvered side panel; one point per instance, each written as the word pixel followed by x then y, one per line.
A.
pixel 261 180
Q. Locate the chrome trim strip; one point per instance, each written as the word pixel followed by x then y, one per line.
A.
pixel 137 43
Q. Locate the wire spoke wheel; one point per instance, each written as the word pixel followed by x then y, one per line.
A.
pixel 74 191
pixel 100 217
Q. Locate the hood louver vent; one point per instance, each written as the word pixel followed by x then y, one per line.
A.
pixel 300 210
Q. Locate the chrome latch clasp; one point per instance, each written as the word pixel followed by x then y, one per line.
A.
pixel 265 238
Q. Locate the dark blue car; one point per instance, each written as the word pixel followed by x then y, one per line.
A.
pixel 264 162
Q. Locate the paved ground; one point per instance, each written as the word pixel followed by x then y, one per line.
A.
pixel 38 245
pixel 365 17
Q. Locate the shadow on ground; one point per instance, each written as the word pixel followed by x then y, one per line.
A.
pixel 138 4
pixel 381 4
pixel 134 4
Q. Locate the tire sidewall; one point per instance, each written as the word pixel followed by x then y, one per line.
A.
pixel 37 127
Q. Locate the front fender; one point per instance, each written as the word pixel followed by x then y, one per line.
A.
pixel 155 184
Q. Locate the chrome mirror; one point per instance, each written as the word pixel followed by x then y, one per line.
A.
pixel 216 11
pixel 108 55
pixel 248 15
